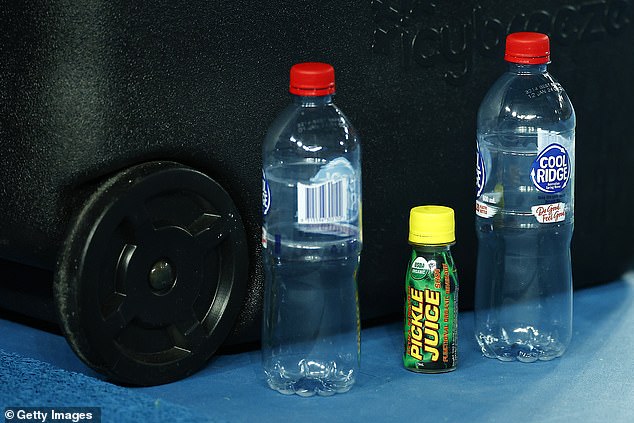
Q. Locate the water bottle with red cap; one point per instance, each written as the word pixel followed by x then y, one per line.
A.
pixel 525 172
pixel 311 238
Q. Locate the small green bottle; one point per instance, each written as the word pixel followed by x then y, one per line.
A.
pixel 431 292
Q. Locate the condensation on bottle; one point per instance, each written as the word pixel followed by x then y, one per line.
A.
pixel 311 237
pixel 525 173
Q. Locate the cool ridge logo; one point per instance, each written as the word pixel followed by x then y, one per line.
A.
pixel 401 27
pixel 550 170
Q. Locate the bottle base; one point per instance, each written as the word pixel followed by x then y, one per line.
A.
pixel 309 378
pixel 523 353
pixel 308 387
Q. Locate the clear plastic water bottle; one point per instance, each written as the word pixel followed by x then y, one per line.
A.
pixel 311 239
pixel 525 209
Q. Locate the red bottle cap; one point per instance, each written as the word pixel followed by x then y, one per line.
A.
pixel 312 79
pixel 527 48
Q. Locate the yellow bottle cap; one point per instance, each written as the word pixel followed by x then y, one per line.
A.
pixel 432 225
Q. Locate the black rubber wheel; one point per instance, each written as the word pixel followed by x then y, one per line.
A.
pixel 153 274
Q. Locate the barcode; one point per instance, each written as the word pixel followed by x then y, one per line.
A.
pixel 322 203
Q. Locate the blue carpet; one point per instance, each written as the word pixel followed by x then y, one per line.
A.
pixel 592 382
pixel 27 382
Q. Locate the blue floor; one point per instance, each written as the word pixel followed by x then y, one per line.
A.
pixel 594 381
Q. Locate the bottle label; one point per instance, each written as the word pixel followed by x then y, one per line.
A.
pixel 326 202
pixel 264 238
pixel 550 213
pixel 266 195
pixel 525 184
pixel 486 211
pixel 431 313
pixel 330 197
pixel 550 171
pixel 481 176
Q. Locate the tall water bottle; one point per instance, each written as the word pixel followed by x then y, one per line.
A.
pixel 311 240
pixel 525 208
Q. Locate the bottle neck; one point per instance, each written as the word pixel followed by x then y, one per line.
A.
pixel 527 69
pixel 312 101
pixel 432 248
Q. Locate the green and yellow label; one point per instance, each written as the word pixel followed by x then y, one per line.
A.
pixel 431 312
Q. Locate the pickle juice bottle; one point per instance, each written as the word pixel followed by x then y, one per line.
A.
pixel 431 292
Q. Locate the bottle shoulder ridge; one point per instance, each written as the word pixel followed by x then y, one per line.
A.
pixel 523 97
pixel 306 124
